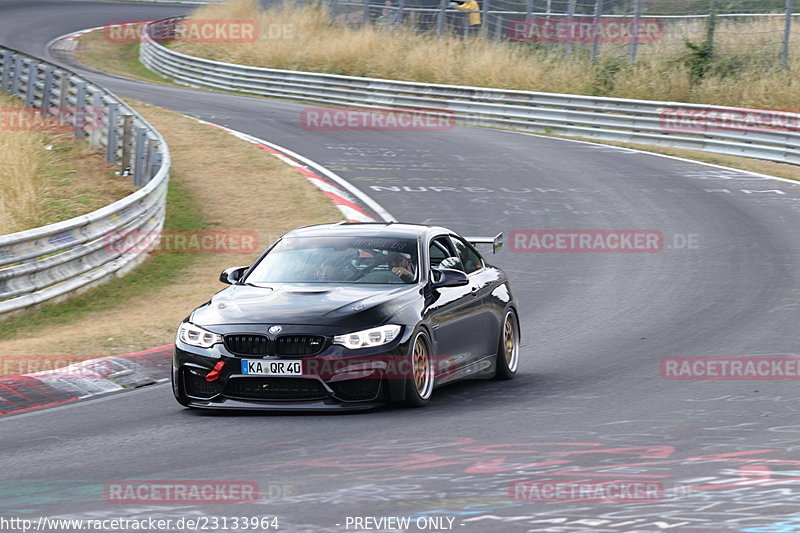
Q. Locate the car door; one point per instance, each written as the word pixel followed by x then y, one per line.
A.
pixel 453 313
pixel 482 283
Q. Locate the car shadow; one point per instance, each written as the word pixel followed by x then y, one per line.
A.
pixel 468 394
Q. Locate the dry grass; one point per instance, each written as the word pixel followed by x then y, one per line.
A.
pixel 50 176
pixel 317 45
pixel 261 194
pixel 19 158
pixel 748 75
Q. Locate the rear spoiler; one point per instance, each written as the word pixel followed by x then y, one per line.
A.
pixel 496 241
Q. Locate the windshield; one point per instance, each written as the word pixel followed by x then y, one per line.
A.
pixel 338 260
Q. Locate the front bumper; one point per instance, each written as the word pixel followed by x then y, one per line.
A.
pixel 334 380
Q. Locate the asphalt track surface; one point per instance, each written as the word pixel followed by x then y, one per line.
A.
pixel 589 401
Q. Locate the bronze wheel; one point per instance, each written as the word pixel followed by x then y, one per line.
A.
pixel 419 383
pixel 508 348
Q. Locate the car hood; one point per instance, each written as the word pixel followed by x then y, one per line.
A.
pixel 323 305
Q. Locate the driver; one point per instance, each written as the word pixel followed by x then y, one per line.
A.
pixel 329 271
pixel 402 266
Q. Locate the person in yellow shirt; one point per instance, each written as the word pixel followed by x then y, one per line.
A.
pixel 474 10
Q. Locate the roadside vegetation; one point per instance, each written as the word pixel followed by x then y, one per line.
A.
pixel 738 71
pixel 119 58
pixel 96 51
pixel 142 309
pixel 49 176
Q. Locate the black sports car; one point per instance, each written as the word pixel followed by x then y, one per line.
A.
pixel 349 316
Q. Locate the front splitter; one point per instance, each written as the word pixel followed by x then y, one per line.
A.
pixel 287 406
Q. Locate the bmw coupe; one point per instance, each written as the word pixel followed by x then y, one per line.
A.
pixel 349 316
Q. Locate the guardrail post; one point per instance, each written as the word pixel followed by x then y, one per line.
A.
pixel 97 122
pixel 127 142
pixel 529 10
pixel 598 20
pixel 30 87
pixel 15 80
pixel 440 17
pixel 47 89
pixel 366 12
pixel 63 91
pixel 113 134
pixel 570 18
pixel 787 34
pixel 152 148
pixel 712 26
pixel 5 54
pixel 485 18
pixel 63 99
pixel 401 12
pixel 498 27
pixel 637 15
pixel 154 165
pixel 79 113
pixel 139 156
pixel 333 9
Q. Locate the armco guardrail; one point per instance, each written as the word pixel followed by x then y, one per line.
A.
pixel 612 119
pixel 44 263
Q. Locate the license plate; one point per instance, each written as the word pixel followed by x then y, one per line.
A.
pixel 272 367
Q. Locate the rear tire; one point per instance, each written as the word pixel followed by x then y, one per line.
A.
pixel 419 385
pixel 508 348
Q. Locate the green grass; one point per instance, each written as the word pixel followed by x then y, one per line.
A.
pixel 156 271
pixel 120 59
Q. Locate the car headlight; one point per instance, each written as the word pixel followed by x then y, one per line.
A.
pixel 368 337
pixel 197 336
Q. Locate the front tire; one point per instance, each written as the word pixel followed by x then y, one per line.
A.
pixel 419 385
pixel 508 349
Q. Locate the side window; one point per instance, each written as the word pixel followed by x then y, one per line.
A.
pixel 438 251
pixel 471 260
pixel 443 256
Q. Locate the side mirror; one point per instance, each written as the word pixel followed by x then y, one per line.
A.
pixel 231 276
pixel 448 277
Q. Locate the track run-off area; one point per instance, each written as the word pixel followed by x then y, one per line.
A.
pixel 592 401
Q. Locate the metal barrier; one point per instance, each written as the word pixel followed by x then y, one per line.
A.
pixel 52 261
pixel 767 135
